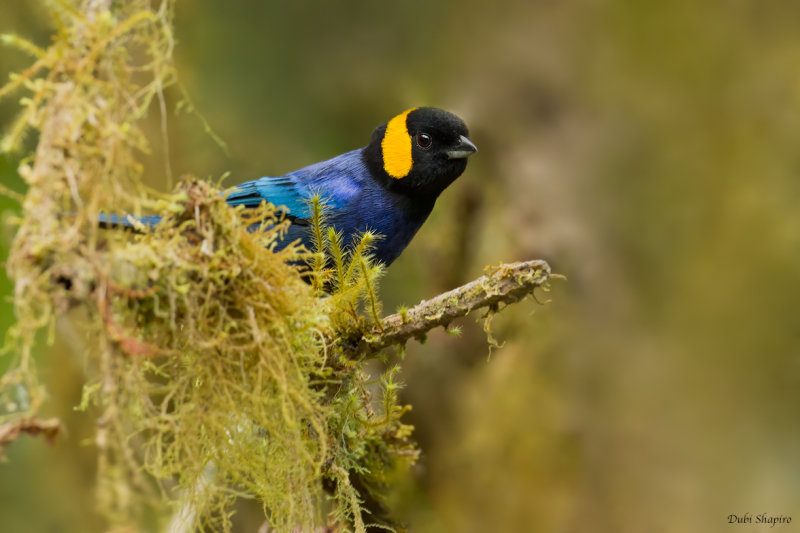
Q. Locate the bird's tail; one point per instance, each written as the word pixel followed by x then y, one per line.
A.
pixel 130 222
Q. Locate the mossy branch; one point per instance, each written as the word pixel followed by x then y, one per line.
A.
pixel 505 284
pixel 214 368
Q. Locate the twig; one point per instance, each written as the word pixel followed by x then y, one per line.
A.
pixel 11 431
pixel 504 284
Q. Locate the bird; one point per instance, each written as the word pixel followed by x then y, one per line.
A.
pixel 388 187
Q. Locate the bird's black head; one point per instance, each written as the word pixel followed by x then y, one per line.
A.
pixel 420 151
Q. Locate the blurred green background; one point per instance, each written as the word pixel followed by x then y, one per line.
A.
pixel 648 151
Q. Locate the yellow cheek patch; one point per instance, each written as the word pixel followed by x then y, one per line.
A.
pixel 396 147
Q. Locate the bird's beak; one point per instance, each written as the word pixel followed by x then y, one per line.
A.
pixel 464 148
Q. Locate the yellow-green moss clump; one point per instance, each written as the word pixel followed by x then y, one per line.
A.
pixel 217 372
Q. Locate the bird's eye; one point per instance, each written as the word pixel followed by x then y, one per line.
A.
pixel 424 141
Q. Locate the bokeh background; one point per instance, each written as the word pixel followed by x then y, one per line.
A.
pixel 649 151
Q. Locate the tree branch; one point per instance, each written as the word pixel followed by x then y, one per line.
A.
pixel 504 284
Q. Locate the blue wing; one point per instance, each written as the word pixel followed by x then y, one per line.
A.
pixel 281 191
pixel 336 181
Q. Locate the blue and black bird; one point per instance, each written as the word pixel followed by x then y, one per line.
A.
pixel 388 186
